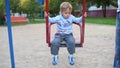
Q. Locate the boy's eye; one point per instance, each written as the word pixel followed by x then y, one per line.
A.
pixel 67 12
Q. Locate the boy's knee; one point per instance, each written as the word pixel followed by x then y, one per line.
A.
pixel 71 41
pixel 55 43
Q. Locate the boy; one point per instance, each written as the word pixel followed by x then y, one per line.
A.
pixel 64 23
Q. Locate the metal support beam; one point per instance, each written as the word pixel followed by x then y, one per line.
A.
pixel 7 3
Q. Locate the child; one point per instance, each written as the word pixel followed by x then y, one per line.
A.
pixel 64 23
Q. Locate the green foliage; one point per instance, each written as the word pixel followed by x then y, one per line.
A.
pixel 2 12
pixel 2 6
pixel 54 5
pixel 14 6
pixel 32 8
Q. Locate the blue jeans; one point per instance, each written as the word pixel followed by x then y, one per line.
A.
pixel 117 40
pixel 56 43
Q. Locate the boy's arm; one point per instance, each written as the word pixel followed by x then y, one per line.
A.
pixel 79 20
pixel 53 19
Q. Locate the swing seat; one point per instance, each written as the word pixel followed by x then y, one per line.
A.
pixel 63 44
pixel 77 43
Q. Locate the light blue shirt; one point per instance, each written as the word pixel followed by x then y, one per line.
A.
pixel 118 10
pixel 64 26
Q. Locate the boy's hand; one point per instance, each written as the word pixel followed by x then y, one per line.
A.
pixel 85 14
pixel 45 14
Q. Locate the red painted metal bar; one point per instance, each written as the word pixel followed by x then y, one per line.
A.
pixel 47 24
pixel 83 21
pixel 46 10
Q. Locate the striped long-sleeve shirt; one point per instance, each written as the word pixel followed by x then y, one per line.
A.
pixel 64 26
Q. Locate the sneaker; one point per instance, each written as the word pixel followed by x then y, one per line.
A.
pixel 55 60
pixel 71 60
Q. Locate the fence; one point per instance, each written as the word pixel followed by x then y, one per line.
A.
pixel 98 13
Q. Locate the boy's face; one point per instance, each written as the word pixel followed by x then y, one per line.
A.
pixel 66 13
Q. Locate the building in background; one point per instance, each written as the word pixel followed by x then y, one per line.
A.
pixel 93 11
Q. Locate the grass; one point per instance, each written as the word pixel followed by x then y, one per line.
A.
pixel 34 21
pixel 93 20
pixel 105 21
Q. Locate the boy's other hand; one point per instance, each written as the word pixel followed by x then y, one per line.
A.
pixel 45 14
pixel 85 14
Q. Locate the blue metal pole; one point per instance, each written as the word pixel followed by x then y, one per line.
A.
pixel 7 2
pixel 115 62
pixel 117 42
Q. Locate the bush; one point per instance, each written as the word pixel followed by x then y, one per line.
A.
pixel 2 19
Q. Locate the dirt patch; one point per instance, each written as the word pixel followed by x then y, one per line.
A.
pixel 31 50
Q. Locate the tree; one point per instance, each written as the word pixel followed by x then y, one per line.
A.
pixel 55 4
pixel 103 3
pixel 2 6
pixel 14 6
pixel 30 7
pixel 2 12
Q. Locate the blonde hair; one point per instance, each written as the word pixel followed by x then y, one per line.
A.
pixel 64 6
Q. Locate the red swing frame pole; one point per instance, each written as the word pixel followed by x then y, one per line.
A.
pixel 83 21
pixel 47 24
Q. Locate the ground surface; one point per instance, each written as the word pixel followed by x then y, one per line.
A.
pixel 31 50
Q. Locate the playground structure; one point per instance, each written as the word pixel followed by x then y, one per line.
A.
pixel 19 19
pixel 81 27
pixel 10 35
pixel 8 17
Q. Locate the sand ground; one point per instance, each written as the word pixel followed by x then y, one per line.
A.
pixel 31 50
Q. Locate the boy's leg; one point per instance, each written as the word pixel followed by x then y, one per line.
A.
pixel 55 44
pixel 54 49
pixel 70 42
